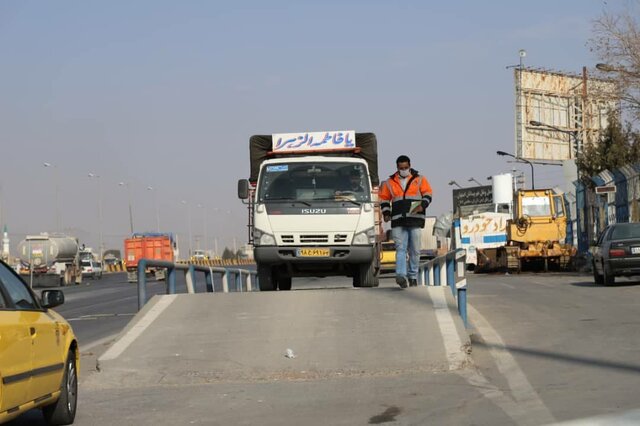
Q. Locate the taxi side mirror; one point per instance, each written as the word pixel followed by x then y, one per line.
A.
pixel 52 298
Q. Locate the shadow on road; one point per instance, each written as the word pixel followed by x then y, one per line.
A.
pixel 617 284
pixel 571 359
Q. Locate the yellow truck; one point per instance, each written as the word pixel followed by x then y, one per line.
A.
pixel 535 235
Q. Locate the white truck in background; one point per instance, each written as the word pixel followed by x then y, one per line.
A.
pixel 480 231
pixel 313 207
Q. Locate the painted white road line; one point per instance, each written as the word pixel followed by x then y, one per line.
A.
pixel 530 409
pixel 95 343
pixel 456 357
pixel 134 332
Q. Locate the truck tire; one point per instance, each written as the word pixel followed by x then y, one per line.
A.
pixel 284 283
pixel 266 278
pixel 365 275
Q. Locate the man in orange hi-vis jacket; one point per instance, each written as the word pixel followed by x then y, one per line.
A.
pixel 404 198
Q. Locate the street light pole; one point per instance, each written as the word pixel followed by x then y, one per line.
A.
pixel 474 180
pixel 204 226
pixel 502 154
pixel 155 201
pixel 189 221
pixel 97 177
pixel 57 185
pixel 130 209
pixel 572 134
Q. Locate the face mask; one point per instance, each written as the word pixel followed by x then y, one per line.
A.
pixel 404 173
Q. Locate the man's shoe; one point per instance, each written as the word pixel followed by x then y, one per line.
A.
pixel 413 282
pixel 401 281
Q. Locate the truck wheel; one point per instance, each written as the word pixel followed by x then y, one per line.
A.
pixel 284 283
pixel 365 276
pixel 266 278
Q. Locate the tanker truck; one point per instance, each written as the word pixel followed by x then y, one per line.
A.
pixel 49 260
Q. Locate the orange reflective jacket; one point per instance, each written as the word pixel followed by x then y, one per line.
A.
pixel 401 202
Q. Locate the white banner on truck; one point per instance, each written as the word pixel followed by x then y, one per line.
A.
pixel 314 141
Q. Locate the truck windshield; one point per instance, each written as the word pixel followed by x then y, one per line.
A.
pixel 311 181
pixel 536 206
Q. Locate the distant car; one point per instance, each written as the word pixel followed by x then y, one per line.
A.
pixel 39 359
pixel 617 253
pixel 199 255
pixel 91 268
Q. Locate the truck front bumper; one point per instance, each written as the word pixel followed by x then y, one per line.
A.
pixel 291 255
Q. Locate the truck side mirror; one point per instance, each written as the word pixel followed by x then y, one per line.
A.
pixel 243 189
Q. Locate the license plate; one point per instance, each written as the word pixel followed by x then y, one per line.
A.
pixel 635 250
pixel 314 252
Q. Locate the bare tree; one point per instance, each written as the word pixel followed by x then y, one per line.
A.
pixel 616 41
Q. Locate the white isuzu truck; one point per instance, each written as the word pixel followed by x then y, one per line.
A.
pixel 313 208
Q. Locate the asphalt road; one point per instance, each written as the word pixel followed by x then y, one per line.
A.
pixel 546 348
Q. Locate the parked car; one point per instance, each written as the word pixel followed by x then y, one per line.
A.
pixel 617 253
pixel 91 268
pixel 39 359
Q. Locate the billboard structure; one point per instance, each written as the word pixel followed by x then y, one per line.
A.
pixel 466 201
pixel 571 110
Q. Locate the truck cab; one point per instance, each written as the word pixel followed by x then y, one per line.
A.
pixel 314 213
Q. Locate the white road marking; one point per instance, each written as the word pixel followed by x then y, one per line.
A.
pixel 528 408
pixel 121 345
pixel 452 343
pixel 99 342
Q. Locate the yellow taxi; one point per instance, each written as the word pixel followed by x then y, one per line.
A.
pixel 39 356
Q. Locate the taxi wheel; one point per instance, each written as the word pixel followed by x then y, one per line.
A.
pixel 63 411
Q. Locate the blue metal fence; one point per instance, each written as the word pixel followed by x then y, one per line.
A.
pixel 449 270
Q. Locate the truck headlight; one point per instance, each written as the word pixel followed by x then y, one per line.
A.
pixel 365 238
pixel 261 238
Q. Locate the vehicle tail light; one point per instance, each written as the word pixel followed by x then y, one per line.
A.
pixel 616 252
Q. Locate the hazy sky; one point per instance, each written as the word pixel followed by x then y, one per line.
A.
pixel 167 94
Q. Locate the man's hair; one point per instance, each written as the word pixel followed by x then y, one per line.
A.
pixel 403 159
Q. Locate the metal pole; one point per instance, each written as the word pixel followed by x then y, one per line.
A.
pixel 100 218
pixel 58 225
pixel 155 201
pixel 142 283
pixel 190 230
pixel 204 219
pixel 130 209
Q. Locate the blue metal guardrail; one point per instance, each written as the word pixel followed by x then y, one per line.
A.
pixel 240 278
pixel 449 270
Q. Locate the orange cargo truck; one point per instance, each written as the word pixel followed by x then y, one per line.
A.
pixel 157 246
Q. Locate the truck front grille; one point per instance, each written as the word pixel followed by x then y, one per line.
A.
pixel 288 239
pixel 307 239
pixel 340 238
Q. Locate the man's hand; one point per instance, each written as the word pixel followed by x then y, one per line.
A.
pixel 418 209
pixel 387 217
